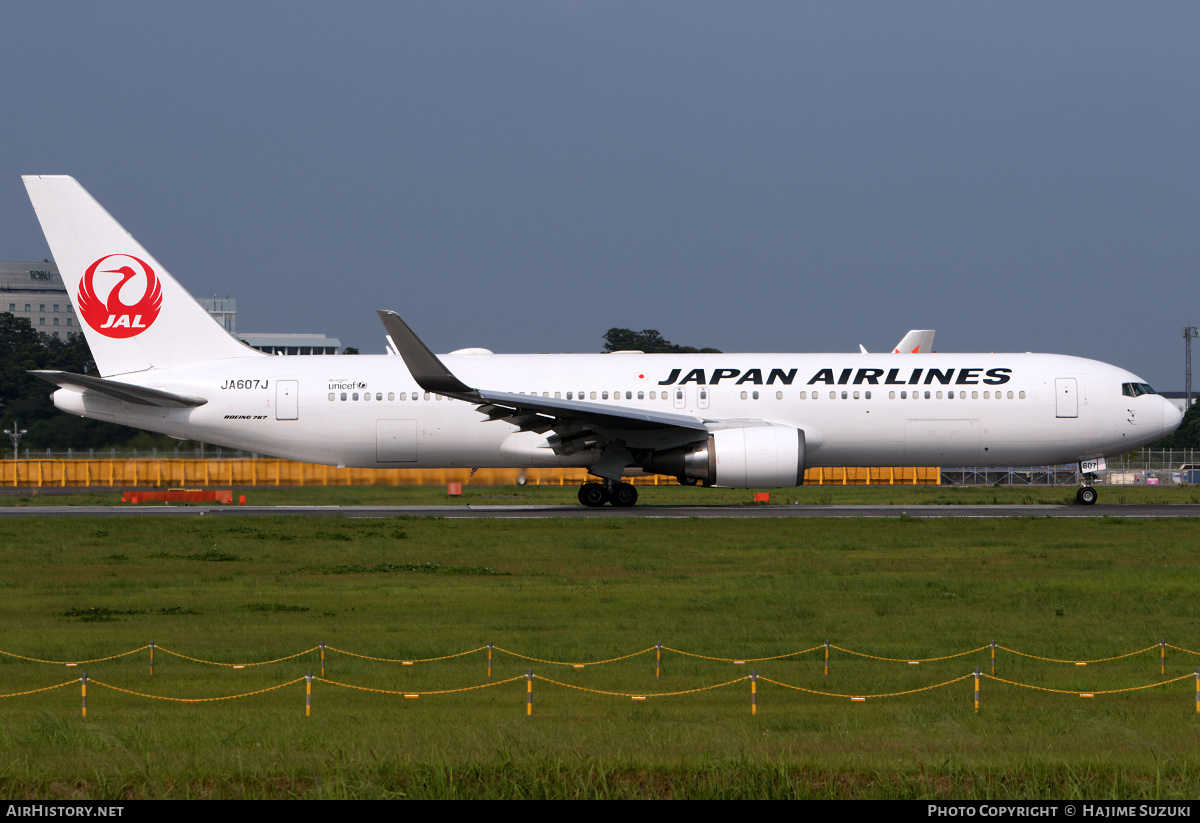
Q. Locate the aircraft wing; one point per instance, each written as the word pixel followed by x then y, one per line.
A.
pixel 600 414
pixel 574 421
pixel 125 392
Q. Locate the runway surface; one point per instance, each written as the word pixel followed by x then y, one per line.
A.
pixel 539 512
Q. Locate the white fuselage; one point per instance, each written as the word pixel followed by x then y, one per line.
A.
pixel 855 410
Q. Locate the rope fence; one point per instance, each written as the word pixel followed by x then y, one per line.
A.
pixel 658 649
pixel 529 677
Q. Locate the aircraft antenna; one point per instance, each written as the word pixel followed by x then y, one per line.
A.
pixel 1188 333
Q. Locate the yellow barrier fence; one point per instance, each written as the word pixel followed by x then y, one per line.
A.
pixel 166 472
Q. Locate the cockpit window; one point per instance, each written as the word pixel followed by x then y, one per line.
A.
pixel 1136 389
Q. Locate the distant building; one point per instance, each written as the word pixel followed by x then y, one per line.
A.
pixel 292 343
pixel 224 311
pixel 36 291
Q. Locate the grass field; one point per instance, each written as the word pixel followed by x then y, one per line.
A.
pixel 581 591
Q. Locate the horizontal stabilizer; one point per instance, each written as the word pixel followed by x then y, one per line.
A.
pixel 124 392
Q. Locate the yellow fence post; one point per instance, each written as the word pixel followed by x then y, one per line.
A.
pixel 753 692
pixel 83 684
pixel 993 658
pixel 658 661
pixel 1162 660
pixel 322 658
pixel 490 647
pixel 529 692
pixel 308 694
pixel 152 658
pixel 827 658
pixel 977 690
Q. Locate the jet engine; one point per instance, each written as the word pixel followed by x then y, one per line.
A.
pixel 752 457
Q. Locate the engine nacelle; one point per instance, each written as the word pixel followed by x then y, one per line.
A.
pixel 753 457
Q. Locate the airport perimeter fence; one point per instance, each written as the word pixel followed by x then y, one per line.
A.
pixel 752 679
pixel 172 473
pixel 216 467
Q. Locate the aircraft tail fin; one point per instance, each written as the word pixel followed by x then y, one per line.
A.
pixel 917 341
pixel 134 314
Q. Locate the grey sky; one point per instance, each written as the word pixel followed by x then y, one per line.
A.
pixel 749 176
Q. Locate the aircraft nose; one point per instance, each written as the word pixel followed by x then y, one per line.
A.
pixel 1172 417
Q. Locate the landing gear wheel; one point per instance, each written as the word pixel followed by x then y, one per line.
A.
pixel 593 494
pixel 1086 496
pixel 688 481
pixel 623 495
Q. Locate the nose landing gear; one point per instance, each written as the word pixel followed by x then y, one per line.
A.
pixel 1086 495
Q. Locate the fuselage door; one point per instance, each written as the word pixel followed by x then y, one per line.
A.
pixel 287 399
pixel 396 441
pixel 1066 394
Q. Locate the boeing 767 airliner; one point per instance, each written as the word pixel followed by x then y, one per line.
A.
pixel 739 420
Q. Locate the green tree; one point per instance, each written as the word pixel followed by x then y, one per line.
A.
pixel 646 340
pixel 25 399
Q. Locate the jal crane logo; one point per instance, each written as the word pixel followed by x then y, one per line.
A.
pixel 113 317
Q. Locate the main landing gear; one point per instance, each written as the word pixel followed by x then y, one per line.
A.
pixel 597 494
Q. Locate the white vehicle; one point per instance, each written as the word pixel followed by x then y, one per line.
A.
pixel 740 420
